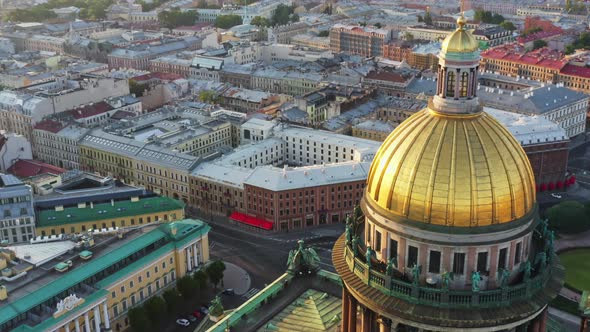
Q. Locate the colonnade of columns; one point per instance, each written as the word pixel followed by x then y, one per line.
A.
pixel 192 256
pixel 369 321
pixel 101 323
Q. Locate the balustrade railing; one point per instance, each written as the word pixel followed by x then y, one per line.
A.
pixel 440 297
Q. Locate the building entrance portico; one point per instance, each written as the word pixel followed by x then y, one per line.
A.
pixel 93 317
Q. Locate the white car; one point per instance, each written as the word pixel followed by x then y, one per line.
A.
pixel 183 322
pixel 556 195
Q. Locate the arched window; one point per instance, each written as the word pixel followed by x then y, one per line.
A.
pixel 464 84
pixel 451 84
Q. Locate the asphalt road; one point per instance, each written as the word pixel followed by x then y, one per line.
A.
pixel 262 255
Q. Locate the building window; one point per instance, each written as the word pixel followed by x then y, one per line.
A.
pixel 122 289
pixel 459 263
pixel 392 248
pixel 451 84
pixel 412 256
pixel 502 255
pixel 464 82
pixel 517 253
pixel 377 241
pixel 116 310
pixel 482 261
pixel 434 265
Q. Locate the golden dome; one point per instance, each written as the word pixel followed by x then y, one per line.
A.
pixel 456 170
pixel 460 41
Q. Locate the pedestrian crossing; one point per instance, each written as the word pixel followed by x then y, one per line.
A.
pixel 251 292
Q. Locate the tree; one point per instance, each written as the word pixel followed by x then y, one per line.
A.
pixel 539 43
pixel 420 18
pixel 260 21
pixel 378 25
pixel 208 96
pixel 139 319
pixel 155 308
pixel 282 14
pixel 568 217
pixel 201 279
pixel 227 21
pixel 294 18
pixel 408 36
pixel 215 272
pixel 172 299
pixel 174 18
pixel 187 286
pixel 363 23
pixel 428 18
pixel 324 33
pixel 508 25
pixel 136 88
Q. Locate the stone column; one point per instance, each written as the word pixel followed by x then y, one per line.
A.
pixel 86 322
pixel 352 313
pixel 543 321
pixel 105 312
pixel 77 322
pixel 195 251
pixel 67 326
pixel 345 309
pixel 445 77
pixel 457 83
pixel 97 319
pixel 384 324
pixel 188 259
pixel 367 320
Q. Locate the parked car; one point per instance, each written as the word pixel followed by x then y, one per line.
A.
pixel 191 318
pixel 556 195
pixel 183 322
pixel 229 291
pixel 197 314
pixel 204 310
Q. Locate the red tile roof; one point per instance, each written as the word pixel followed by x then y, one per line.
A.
pixel 90 110
pixel 574 70
pixel 516 53
pixel 50 125
pixel 539 35
pixel 28 168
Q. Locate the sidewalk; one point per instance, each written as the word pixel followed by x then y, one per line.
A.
pixel 236 278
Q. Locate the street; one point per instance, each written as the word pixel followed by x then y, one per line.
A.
pixel 263 255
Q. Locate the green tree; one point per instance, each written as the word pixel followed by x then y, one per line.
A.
pixel 282 14
pixel 187 286
pixel 260 21
pixel 139 319
pixel 508 25
pixel 208 96
pixel 420 18
pixel 378 25
pixel 174 18
pixel 568 217
pixel 136 88
pixel 324 33
pixel 539 43
pixel 215 272
pixel 155 308
pixel 294 18
pixel 408 36
pixel 428 18
pixel 201 279
pixel 227 21
pixel 172 299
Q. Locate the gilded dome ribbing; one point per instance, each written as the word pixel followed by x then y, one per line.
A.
pixel 455 170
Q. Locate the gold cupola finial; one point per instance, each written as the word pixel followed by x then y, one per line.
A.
pixel 461 21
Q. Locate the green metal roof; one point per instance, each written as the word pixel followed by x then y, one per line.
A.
pixel 107 211
pixel 85 253
pixel 51 321
pixel 186 229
